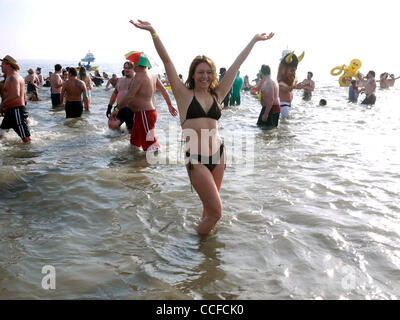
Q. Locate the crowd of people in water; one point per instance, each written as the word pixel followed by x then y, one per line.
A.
pixel 200 100
pixel 55 80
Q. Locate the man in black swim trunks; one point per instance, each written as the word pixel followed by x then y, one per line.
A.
pixel 74 88
pixel 56 85
pixel 13 100
pixel 270 111
pixel 369 89
pixel 121 89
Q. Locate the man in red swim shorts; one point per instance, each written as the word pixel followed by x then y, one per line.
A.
pixel 139 99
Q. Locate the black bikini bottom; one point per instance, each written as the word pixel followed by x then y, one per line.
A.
pixel 209 161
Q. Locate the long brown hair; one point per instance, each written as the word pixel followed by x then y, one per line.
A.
pixel 82 73
pixel 200 59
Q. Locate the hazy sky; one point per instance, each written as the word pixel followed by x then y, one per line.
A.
pixel 330 32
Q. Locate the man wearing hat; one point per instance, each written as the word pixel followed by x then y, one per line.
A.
pixel 140 99
pixel 13 104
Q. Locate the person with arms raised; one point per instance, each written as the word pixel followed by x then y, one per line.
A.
pixel 198 102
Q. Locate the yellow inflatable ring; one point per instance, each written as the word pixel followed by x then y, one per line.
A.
pixel 339 70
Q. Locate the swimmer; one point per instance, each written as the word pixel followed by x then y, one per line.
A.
pixel 236 88
pixel 205 155
pixel 269 115
pixel 392 80
pixel 121 89
pixel 32 82
pixel 353 91
pixel 88 82
pixel 385 81
pixel 56 84
pixel 74 89
pixel 246 84
pixel 307 85
pixel 369 89
pixel 287 80
pixel 13 100
pixel 113 81
pixel 140 100
pixel 40 76
pixel 97 79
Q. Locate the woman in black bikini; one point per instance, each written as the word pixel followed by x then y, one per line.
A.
pixel 198 102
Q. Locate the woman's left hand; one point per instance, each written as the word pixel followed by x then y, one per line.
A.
pixel 263 36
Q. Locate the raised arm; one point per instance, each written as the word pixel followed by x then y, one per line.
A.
pixel 178 88
pixel 160 87
pixel 227 81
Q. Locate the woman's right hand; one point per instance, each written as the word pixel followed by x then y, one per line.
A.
pixel 143 25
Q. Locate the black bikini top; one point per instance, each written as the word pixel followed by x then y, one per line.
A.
pixel 195 110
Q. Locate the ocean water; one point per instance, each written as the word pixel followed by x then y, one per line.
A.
pixel 310 209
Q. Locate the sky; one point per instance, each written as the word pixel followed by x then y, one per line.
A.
pixel 331 33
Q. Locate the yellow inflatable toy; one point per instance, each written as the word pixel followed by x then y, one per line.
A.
pixel 348 72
